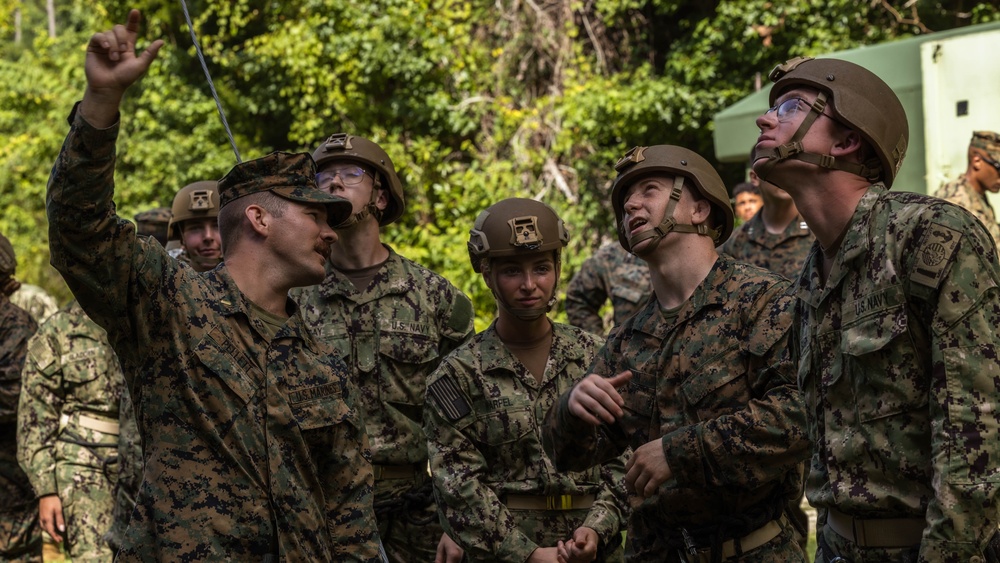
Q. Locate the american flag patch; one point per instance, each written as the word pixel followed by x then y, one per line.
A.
pixel 449 398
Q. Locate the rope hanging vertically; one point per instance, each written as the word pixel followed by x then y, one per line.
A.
pixel 211 85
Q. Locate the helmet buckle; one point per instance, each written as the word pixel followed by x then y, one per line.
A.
pixel 787 150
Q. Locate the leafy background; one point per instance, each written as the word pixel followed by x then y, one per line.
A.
pixel 475 101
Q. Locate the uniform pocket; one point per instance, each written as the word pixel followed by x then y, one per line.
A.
pixel 879 360
pixel 505 442
pixel 328 409
pixel 639 421
pixel 718 387
pixel 228 385
pixel 339 338
pixel 504 427
pixel 407 359
pixel 972 415
pixel 85 362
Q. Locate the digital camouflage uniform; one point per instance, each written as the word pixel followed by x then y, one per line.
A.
pixel 153 223
pixel 68 425
pixel 782 253
pixel 898 362
pixel 20 536
pixel 962 194
pixel 254 447
pixel 715 384
pixel 612 272
pixel 35 300
pixel 392 336
pixel 129 471
pixel 482 419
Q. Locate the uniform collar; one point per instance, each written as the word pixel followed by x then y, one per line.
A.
pixel 390 279
pixel 756 230
pixel 713 291
pixel 494 356
pixel 856 244
pixel 232 302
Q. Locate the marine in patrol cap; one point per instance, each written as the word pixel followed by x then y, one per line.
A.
pixel 288 175
pixel 153 222
pixel 988 142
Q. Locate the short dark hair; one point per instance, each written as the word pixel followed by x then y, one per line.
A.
pixel 231 215
pixel 745 187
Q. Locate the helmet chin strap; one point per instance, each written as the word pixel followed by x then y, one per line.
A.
pixel 370 208
pixel 522 313
pixel 793 150
pixel 669 224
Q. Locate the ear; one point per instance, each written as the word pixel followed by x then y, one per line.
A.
pixel 976 162
pixel 754 178
pixel 847 143
pixel 383 198
pixel 259 218
pixel 702 211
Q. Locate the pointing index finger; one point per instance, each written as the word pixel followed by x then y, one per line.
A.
pixel 134 18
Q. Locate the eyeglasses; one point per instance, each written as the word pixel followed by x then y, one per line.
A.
pixel 349 175
pixel 786 109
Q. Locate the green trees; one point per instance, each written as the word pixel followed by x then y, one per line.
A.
pixel 474 101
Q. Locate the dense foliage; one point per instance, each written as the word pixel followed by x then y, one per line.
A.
pixel 475 101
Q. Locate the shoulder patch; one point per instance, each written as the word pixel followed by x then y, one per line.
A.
pixel 449 398
pixel 934 255
pixel 40 351
pixel 461 315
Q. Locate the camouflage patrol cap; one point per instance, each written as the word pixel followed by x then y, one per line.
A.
pixel 153 222
pixel 988 142
pixel 8 260
pixel 288 175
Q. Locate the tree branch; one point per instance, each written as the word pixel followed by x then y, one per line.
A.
pixel 914 20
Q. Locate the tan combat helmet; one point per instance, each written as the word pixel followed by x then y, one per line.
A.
pixel 858 99
pixel 683 164
pixel 350 148
pixel 516 227
pixel 199 200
